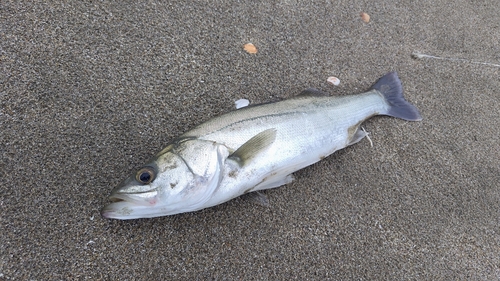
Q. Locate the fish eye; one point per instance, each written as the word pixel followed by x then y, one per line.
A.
pixel 145 175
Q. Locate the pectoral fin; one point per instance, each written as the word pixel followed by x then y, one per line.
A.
pixel 254 146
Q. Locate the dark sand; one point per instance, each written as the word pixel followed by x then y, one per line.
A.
pixel 90 91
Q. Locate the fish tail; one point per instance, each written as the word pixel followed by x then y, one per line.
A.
pixel 392 90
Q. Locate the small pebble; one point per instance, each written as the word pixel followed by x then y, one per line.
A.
pixel 241 103
pixel 365 17
pixel 250 48
pixel 333 80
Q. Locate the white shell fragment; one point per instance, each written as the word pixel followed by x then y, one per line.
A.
pixel 241 103
pixel 333 80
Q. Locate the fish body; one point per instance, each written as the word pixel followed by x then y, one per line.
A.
pixel 251 149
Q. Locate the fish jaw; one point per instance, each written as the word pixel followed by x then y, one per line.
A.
pixel 163 203
pixel 160 201
pixel 130 199
pixel 124 210
pixel 135 206
pixel 131 206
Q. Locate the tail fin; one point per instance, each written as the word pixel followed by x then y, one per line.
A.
pixel 392 90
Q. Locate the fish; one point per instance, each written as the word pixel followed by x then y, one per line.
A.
pixel 253 148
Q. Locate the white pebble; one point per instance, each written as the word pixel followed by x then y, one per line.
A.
pixel 333 80
pixel 241 103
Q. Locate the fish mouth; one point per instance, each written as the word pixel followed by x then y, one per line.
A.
pixel 128 206
pixel 140 199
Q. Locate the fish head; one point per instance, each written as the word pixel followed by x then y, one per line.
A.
pixel 181 178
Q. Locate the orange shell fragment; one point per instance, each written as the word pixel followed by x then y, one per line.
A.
pixel 250 48
pixel 365 17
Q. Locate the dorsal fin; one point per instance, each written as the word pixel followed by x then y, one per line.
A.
pixel 312 92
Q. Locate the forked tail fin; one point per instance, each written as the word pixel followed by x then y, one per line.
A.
pixel 392 90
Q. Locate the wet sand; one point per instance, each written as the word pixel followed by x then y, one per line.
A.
pixel 90 91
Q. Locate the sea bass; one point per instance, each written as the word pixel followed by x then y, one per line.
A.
pixel 251 149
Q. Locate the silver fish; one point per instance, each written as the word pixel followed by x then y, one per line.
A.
pixel 251 149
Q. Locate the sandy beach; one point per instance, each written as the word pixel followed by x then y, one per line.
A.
pixel 90 90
